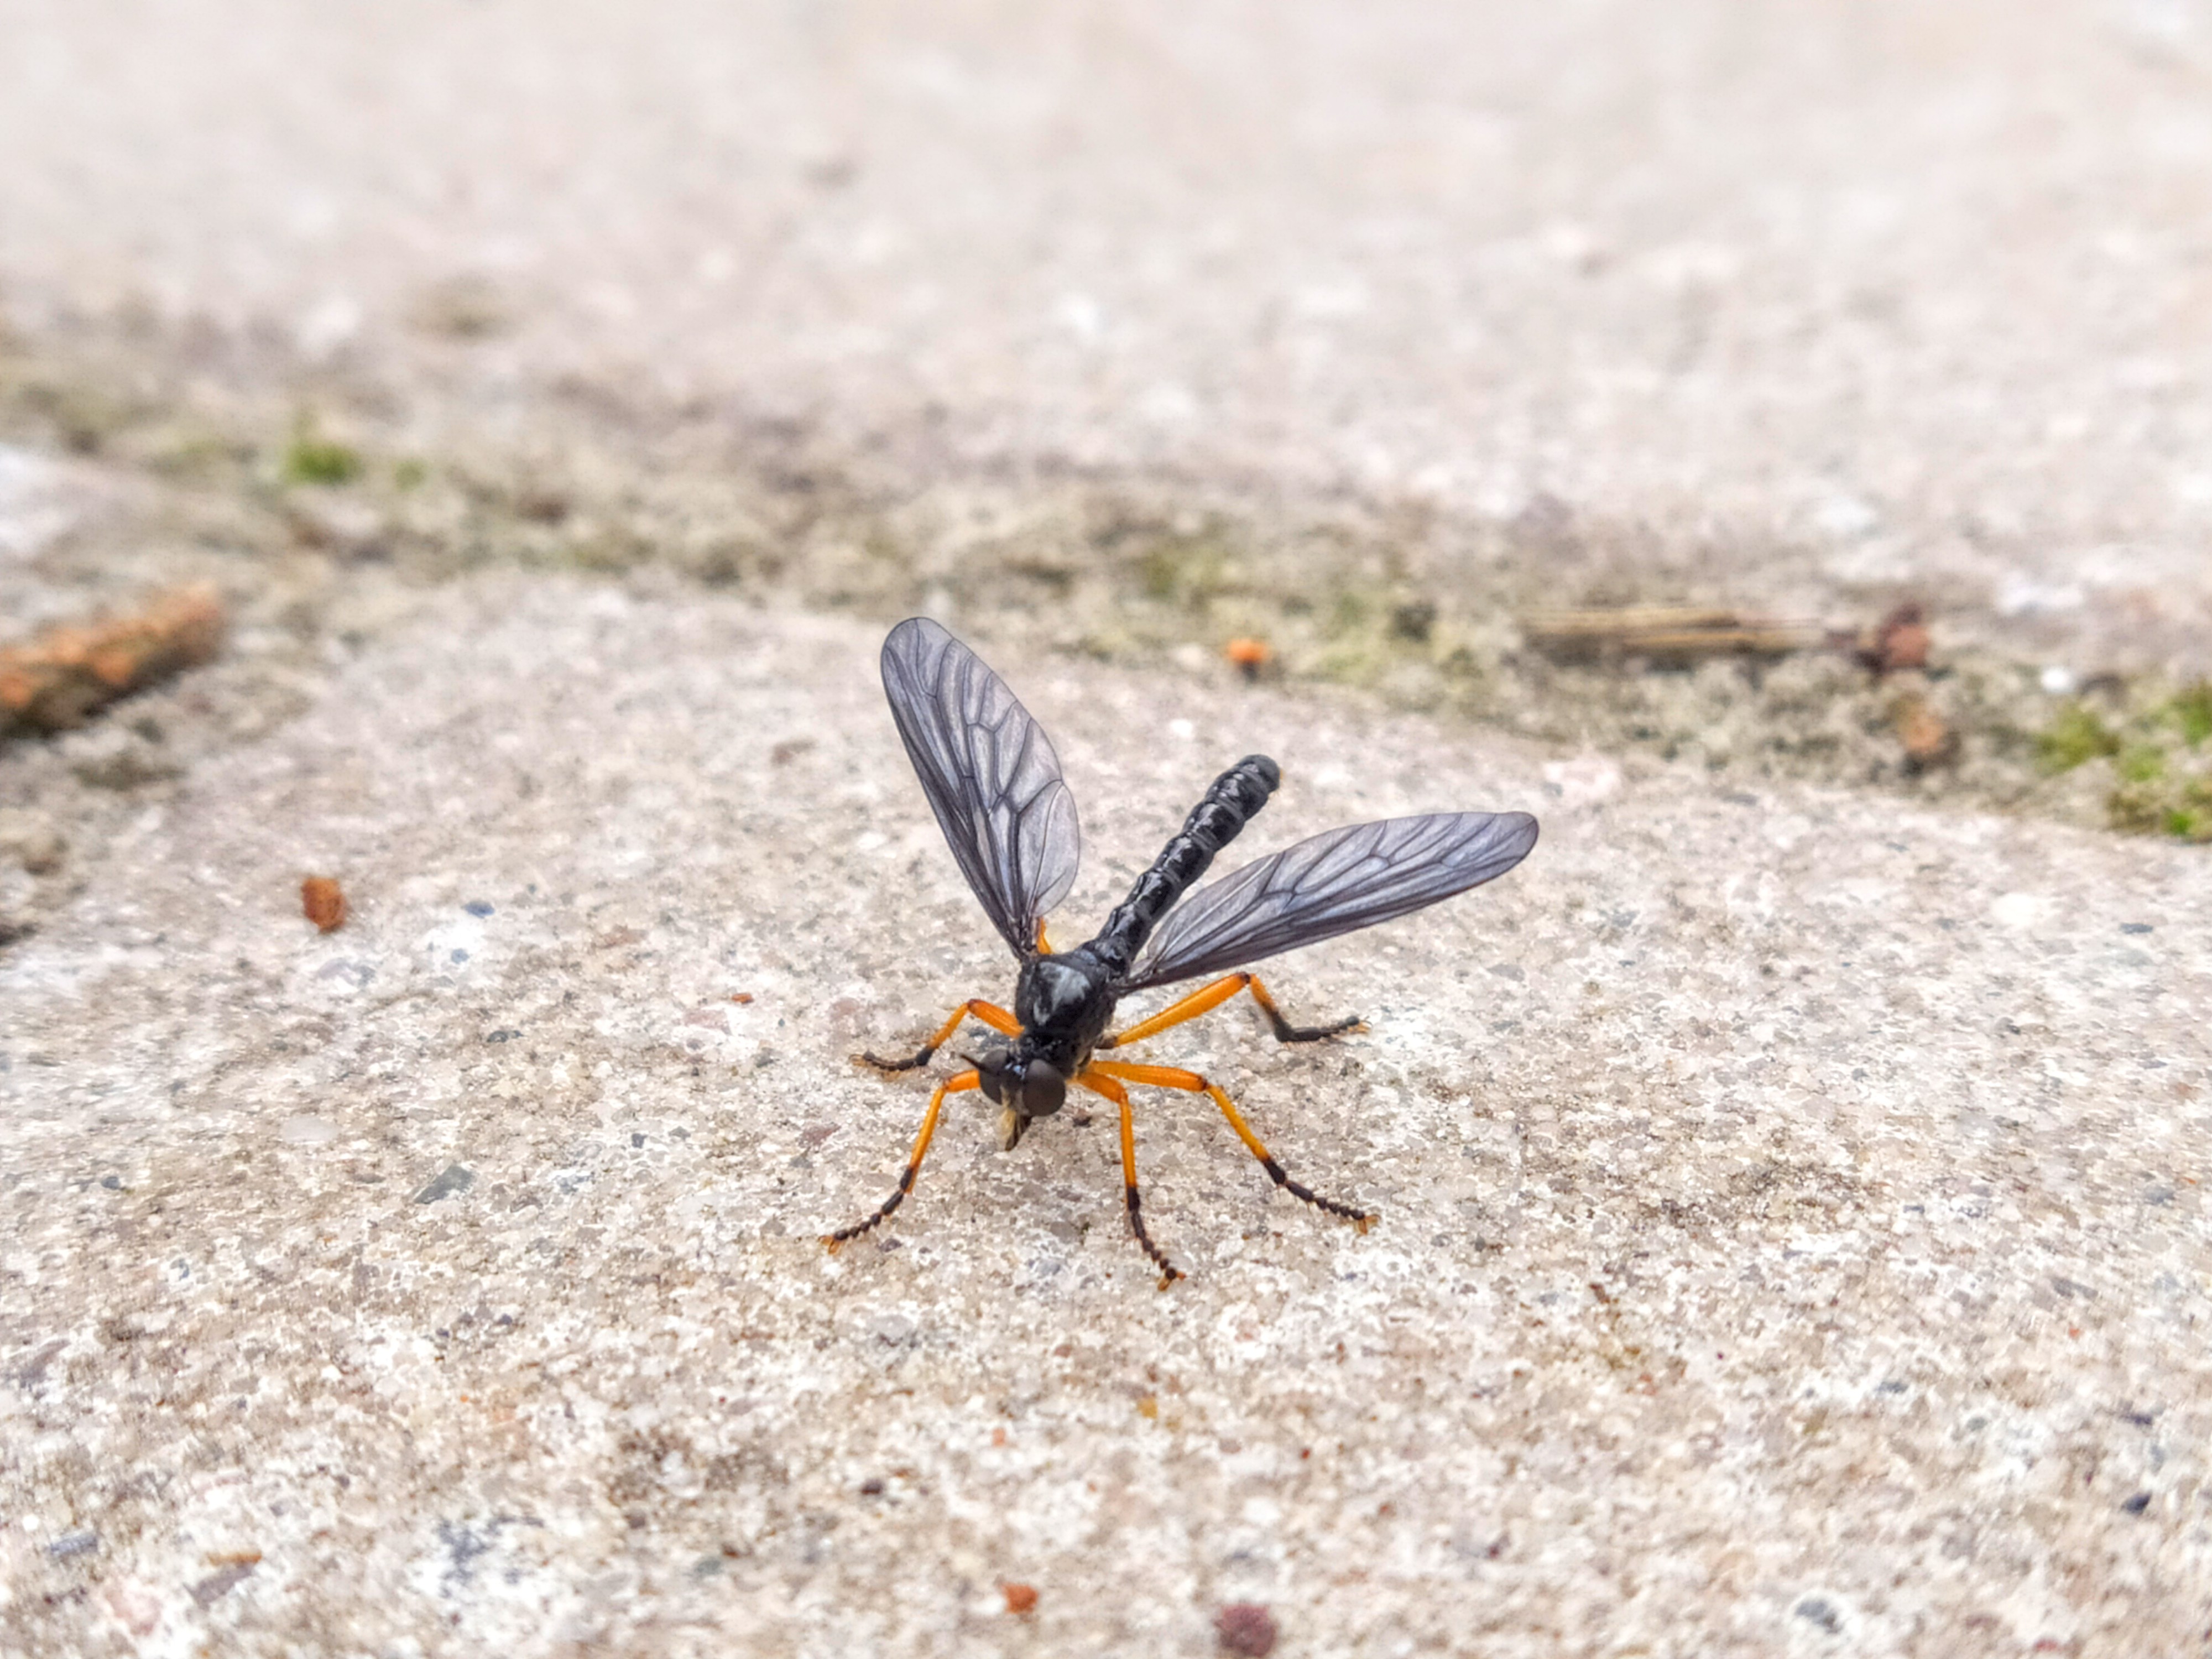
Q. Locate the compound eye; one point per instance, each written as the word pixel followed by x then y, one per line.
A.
pixel 1042 1090
pixel 991 1073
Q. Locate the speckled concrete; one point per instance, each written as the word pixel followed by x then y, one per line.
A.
pixel 1792 1237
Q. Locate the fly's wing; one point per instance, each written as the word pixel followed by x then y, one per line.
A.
pixel 990 774
pixel 1345 879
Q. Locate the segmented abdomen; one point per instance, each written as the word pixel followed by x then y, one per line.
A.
pixel 1228 805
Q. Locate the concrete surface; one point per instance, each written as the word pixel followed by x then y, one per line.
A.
pixel 1792 1240
pixel 1809 294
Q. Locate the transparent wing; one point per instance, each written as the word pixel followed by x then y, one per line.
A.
pixel 990 774
pixel 1338 882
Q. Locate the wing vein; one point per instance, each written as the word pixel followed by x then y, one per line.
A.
pixel 989 773
pixel 1335 883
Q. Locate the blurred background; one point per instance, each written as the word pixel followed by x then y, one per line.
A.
pixel 1367 339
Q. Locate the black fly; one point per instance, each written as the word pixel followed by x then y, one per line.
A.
pixel 994 783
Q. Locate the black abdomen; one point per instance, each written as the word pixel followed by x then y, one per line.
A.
pixel 1228 805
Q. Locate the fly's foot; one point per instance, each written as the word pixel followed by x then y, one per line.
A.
pixel 882 1214
pixel 913 1062
pixel 1360 1220
pixel 1286 1032
pixel 1168 1271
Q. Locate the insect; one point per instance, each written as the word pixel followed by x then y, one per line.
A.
pixel 995 786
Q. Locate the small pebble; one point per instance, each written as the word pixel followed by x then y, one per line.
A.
pixel 1246 1629
pixel 453 1179
pixel 1927 739
pixel 1020 1598
pixel 893 1328
pixel 217 1585
pixel 1902 640
pixel 34 843
pixel 323 902
pixel 1249 656
pixel 1816 1611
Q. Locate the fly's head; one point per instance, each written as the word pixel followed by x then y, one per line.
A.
pixel 1024 1084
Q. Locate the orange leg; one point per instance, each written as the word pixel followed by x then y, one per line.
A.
pixel 1044 948
pixel 990 1013
pixel 959 1083
pixel 1091 1079
pixel 1211 997
pixel 1171 1077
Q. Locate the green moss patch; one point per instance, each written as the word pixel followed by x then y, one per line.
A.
pixel 2076 735
pixel 1406 604
pixel 312 460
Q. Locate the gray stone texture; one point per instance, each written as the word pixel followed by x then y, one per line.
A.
pixel 1791 1236
pixel 1792 1240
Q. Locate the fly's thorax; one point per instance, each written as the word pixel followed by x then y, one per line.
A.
pixel 1063 1002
